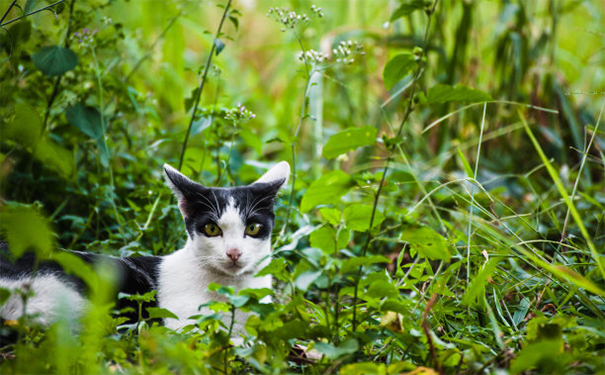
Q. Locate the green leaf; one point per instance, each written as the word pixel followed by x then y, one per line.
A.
pixel 29 6
pixel 327 190
pixel 16 36
pixel 408 7
pixel 87 119
pixel 55 60
pixel 357 217
pixel 446 93
pixel 348 140
pixel 26 229
pixel 364 368
pixel 397 68
pixel 160 313
pixel 382 288
pixel 476 290
pixel 306 279
pixel 238 300
pixel 333 352
pixel 354 263
pixel 324 239
pixel 276 267
pixel 331 215
pixel 427 243
pixel 465 164
pixel 546 357
pixel 220 46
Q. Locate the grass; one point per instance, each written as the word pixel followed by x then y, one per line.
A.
pixel 466 238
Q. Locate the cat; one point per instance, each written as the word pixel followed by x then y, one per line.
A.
pixel 228 242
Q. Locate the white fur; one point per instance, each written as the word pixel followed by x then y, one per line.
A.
pixel 51 298
pixel 279 171
pixel 185 275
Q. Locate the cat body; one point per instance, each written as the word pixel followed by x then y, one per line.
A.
pixel 229 241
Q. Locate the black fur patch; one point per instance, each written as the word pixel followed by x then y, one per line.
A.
pixel 134 275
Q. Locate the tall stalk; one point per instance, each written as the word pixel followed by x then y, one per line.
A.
pixel 385 170
pixel 198 94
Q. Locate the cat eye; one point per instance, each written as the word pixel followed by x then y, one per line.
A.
pixel 252 229
pixel 212 230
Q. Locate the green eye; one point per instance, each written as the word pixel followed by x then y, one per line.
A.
pixel 252 229
pixel 212 230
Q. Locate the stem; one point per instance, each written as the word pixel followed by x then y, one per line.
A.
pixel 152 47
pixel 386 167
pixel 470 208
pixel 293 147
pixel 104 141
pixel 28 14
pixel 201 85
pixel 55 91
pixel 7 10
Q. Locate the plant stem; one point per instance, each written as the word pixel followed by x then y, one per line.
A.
pixel 7 10
pixel 201 85
pixel 386 167
pixel 55 91
pixel 28 14
pixel 470 207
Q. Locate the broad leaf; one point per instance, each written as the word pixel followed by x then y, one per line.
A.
pixel 358 217
pixel 324 239
pixel 397 68
pixel 26 130
pixel 349 140
pixel 427 243
pixel 333 352
pixel 26 229
pixel 306 279
pixel 87 119
pixel 354 263
pixel 407 7
pixel 55 60
pixel 327 190
pixel 160 313
pixel 446 93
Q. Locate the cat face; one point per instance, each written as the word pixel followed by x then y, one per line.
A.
pixel 229 229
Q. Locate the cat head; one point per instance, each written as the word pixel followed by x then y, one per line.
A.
pixel 229 229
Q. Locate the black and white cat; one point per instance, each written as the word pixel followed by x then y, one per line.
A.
pixel 229 241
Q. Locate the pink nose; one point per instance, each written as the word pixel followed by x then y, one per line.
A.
pixel 234 254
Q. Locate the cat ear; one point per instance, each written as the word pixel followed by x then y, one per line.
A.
pixel 277 175
pixel 182 188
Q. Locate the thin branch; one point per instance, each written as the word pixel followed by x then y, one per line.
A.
pixel 201 85
pixel 7 10
pixel 388 161
pixel 26 15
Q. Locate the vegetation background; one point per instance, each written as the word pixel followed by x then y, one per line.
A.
pixel 446 209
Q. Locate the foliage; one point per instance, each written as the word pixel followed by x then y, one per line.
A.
pixel 445 213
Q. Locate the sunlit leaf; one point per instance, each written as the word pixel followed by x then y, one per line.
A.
pixel 427 243
pixel 26 229
pixel 358 216
pixel 327 190
pixel 306 279
pixel 324 238
pixel 160 313
pixel 349 140
pixel 397 68
pixel 354 263
pixel 333 352
pixel 407 7
pixel 445 93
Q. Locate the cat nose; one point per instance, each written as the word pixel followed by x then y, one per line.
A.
pixel 234 254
